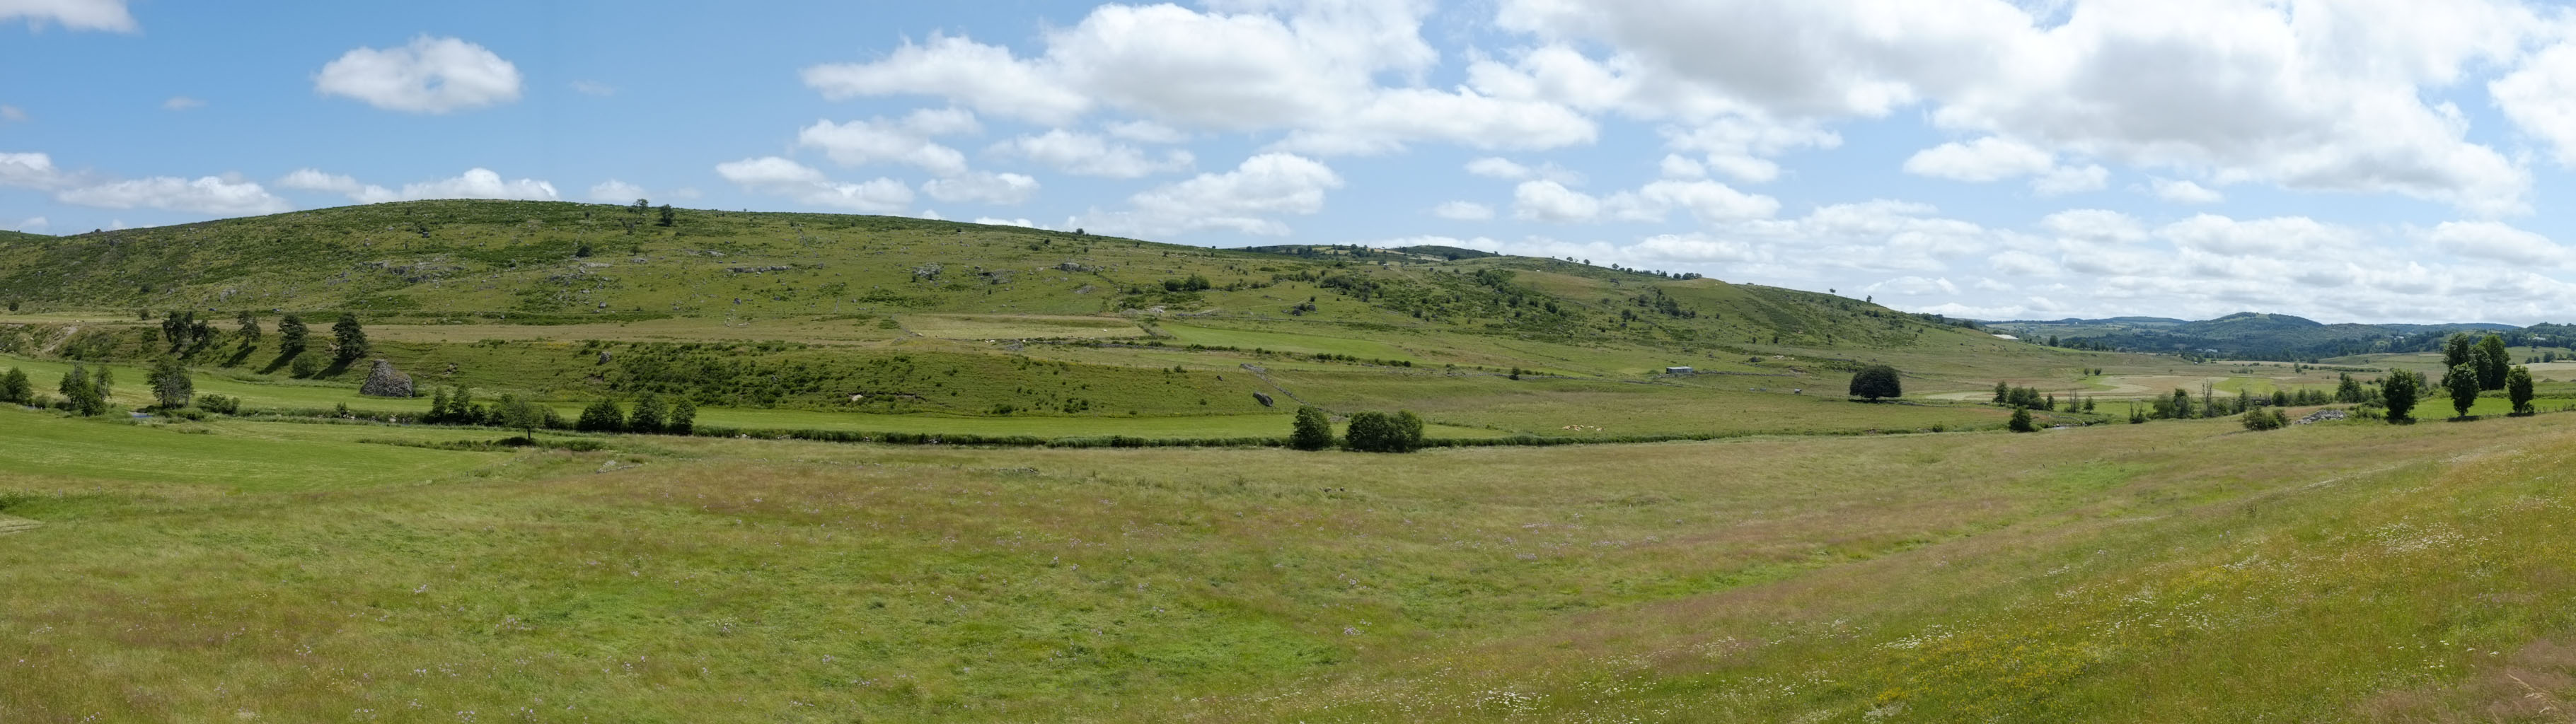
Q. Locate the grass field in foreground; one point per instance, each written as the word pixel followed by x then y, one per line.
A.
pixel 2164 572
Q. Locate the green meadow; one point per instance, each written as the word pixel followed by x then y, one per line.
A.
pixel 1584 534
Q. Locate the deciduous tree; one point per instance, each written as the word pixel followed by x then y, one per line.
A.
pixel 2461 381
pixel 1876 381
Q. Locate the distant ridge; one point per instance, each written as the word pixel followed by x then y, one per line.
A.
pixel 2260 335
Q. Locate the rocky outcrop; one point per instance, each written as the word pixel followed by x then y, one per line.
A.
pixel 385 381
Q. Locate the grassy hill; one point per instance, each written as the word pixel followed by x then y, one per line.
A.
pixel 885 315
pixel 551 261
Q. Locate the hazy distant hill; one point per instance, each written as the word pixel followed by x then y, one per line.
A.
pixel 2258 335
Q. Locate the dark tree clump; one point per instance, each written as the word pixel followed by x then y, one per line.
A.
pixel 249 326
pixel 684 417
pixel 351 338
pixel 601 416
pixel 2517 387
pixel 170 383
pixel 668 218
pixel 2021 421
pixel 2401 390
pixel 1381 432
pixel 1313 430
pixel 2455 350
pixel 292 336
pixel 649 414
pixel 15 388
pixel 2462 382
pixel 1875 382
pixel 2494 362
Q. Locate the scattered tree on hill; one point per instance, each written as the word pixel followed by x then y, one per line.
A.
pixel 2176 406
pixel 456 408
pixel 2494 361
pixel 667 217
pixel 170 383
pixel 2272 419
pixel 601 416
pixel 684 417
pixel 15 388
pixel 1875 382
pixel 650 413
pixel 304 367
pixel 249 325
pixel 1381 432
pixel 2136 416
pixel 82 392
pixel 174 327
pixel 2347 389
pixel 351 338
pixel 2401 390
pixel 2517 387
pixel 291 336
pixel 2003 393
pixel 1312 431
pixel 2461 381
pixel 2455 350
pixel 521 414
pixel 2021 421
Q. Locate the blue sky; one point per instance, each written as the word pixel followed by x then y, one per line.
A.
pixel 2354 160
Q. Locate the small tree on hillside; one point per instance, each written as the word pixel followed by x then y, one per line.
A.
pixel 1312 431
pixel 351 337
pixel 2495 364
pixel 249 325
pixel 1381 432
pixel 2401 390
pixel 2462 382
pixel 2517 387
pixel 170 383
pixel 668 217
pixel 82 392
pixel 292 336
pixel 1876 381
pixel 649 415
pixel 2455 350
pixel 521 414
pixel 601 416
pixel 2021 421
pixel 684 417
pixel 15 388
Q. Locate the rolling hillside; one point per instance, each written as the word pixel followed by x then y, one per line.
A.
pixel 552 262
pixel 898 316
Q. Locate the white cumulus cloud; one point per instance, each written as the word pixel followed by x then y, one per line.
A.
pixel 782 177
pixel 1085 154
pixel 431 75
pixel 1463 211
pixel 613 191
pixel 1244 200
pixel 73 14
pixel 217 195
pixel 982 186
